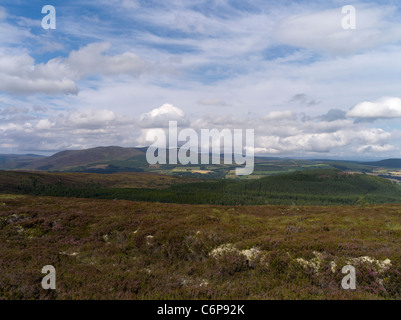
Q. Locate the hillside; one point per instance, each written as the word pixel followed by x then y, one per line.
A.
pixel 317 187
pixel 321 182
pixel 107 160
pixel 389 163
pixel 12 181
pixel 99 158
pixel 16 161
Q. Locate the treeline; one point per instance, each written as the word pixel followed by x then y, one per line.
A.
pixel 317 187
pixel 321 182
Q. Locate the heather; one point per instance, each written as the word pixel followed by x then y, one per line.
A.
pixel 118 249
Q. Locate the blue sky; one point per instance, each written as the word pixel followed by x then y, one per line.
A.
pixel 287 69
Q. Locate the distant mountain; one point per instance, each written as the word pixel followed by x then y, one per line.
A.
pixel 16 161
pixel 388 163
pixel 95 160
pixel 118 159
pixel 100 159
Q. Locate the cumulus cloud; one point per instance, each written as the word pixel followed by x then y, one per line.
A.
pixel 289 134
pixel 305 142
pixel 44 124
pixel 69 130
pixel 282 133
pixel 91 118
pixel 286 134
pixel 20 75
pixel 160 117
pixel 279 115
pixel 222 55
pixel 384 108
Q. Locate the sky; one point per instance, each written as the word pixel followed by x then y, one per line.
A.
pixel 113 70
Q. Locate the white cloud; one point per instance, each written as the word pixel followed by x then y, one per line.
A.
pixel 20 75
pixel 90 118
pixel 279 115
pixel 326 142
pixel 69 130
pixel 216 54
pixel 285 134
pixel 90 60
pixel 323 30
pixel 384 108
pixel 44 124
pixel 160 117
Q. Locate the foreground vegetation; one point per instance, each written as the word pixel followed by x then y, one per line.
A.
pixel 108 249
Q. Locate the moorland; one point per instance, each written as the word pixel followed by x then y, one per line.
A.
pixel 116 228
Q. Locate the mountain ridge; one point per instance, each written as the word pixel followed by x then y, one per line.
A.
pixel 111 159
pixel 69 159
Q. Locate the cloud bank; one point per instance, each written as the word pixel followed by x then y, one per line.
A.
pixel 288 70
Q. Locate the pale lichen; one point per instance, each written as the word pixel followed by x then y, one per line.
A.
pixel 249 254
pixel 377 265
pixel 314 263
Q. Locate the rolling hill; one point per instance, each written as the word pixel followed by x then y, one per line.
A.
pixel 326 185
pixel 114 159
pixel 388 163
pixel 16 161
pixel 311 187
pixel 322 182
pixel 12 181
pixel 101 159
